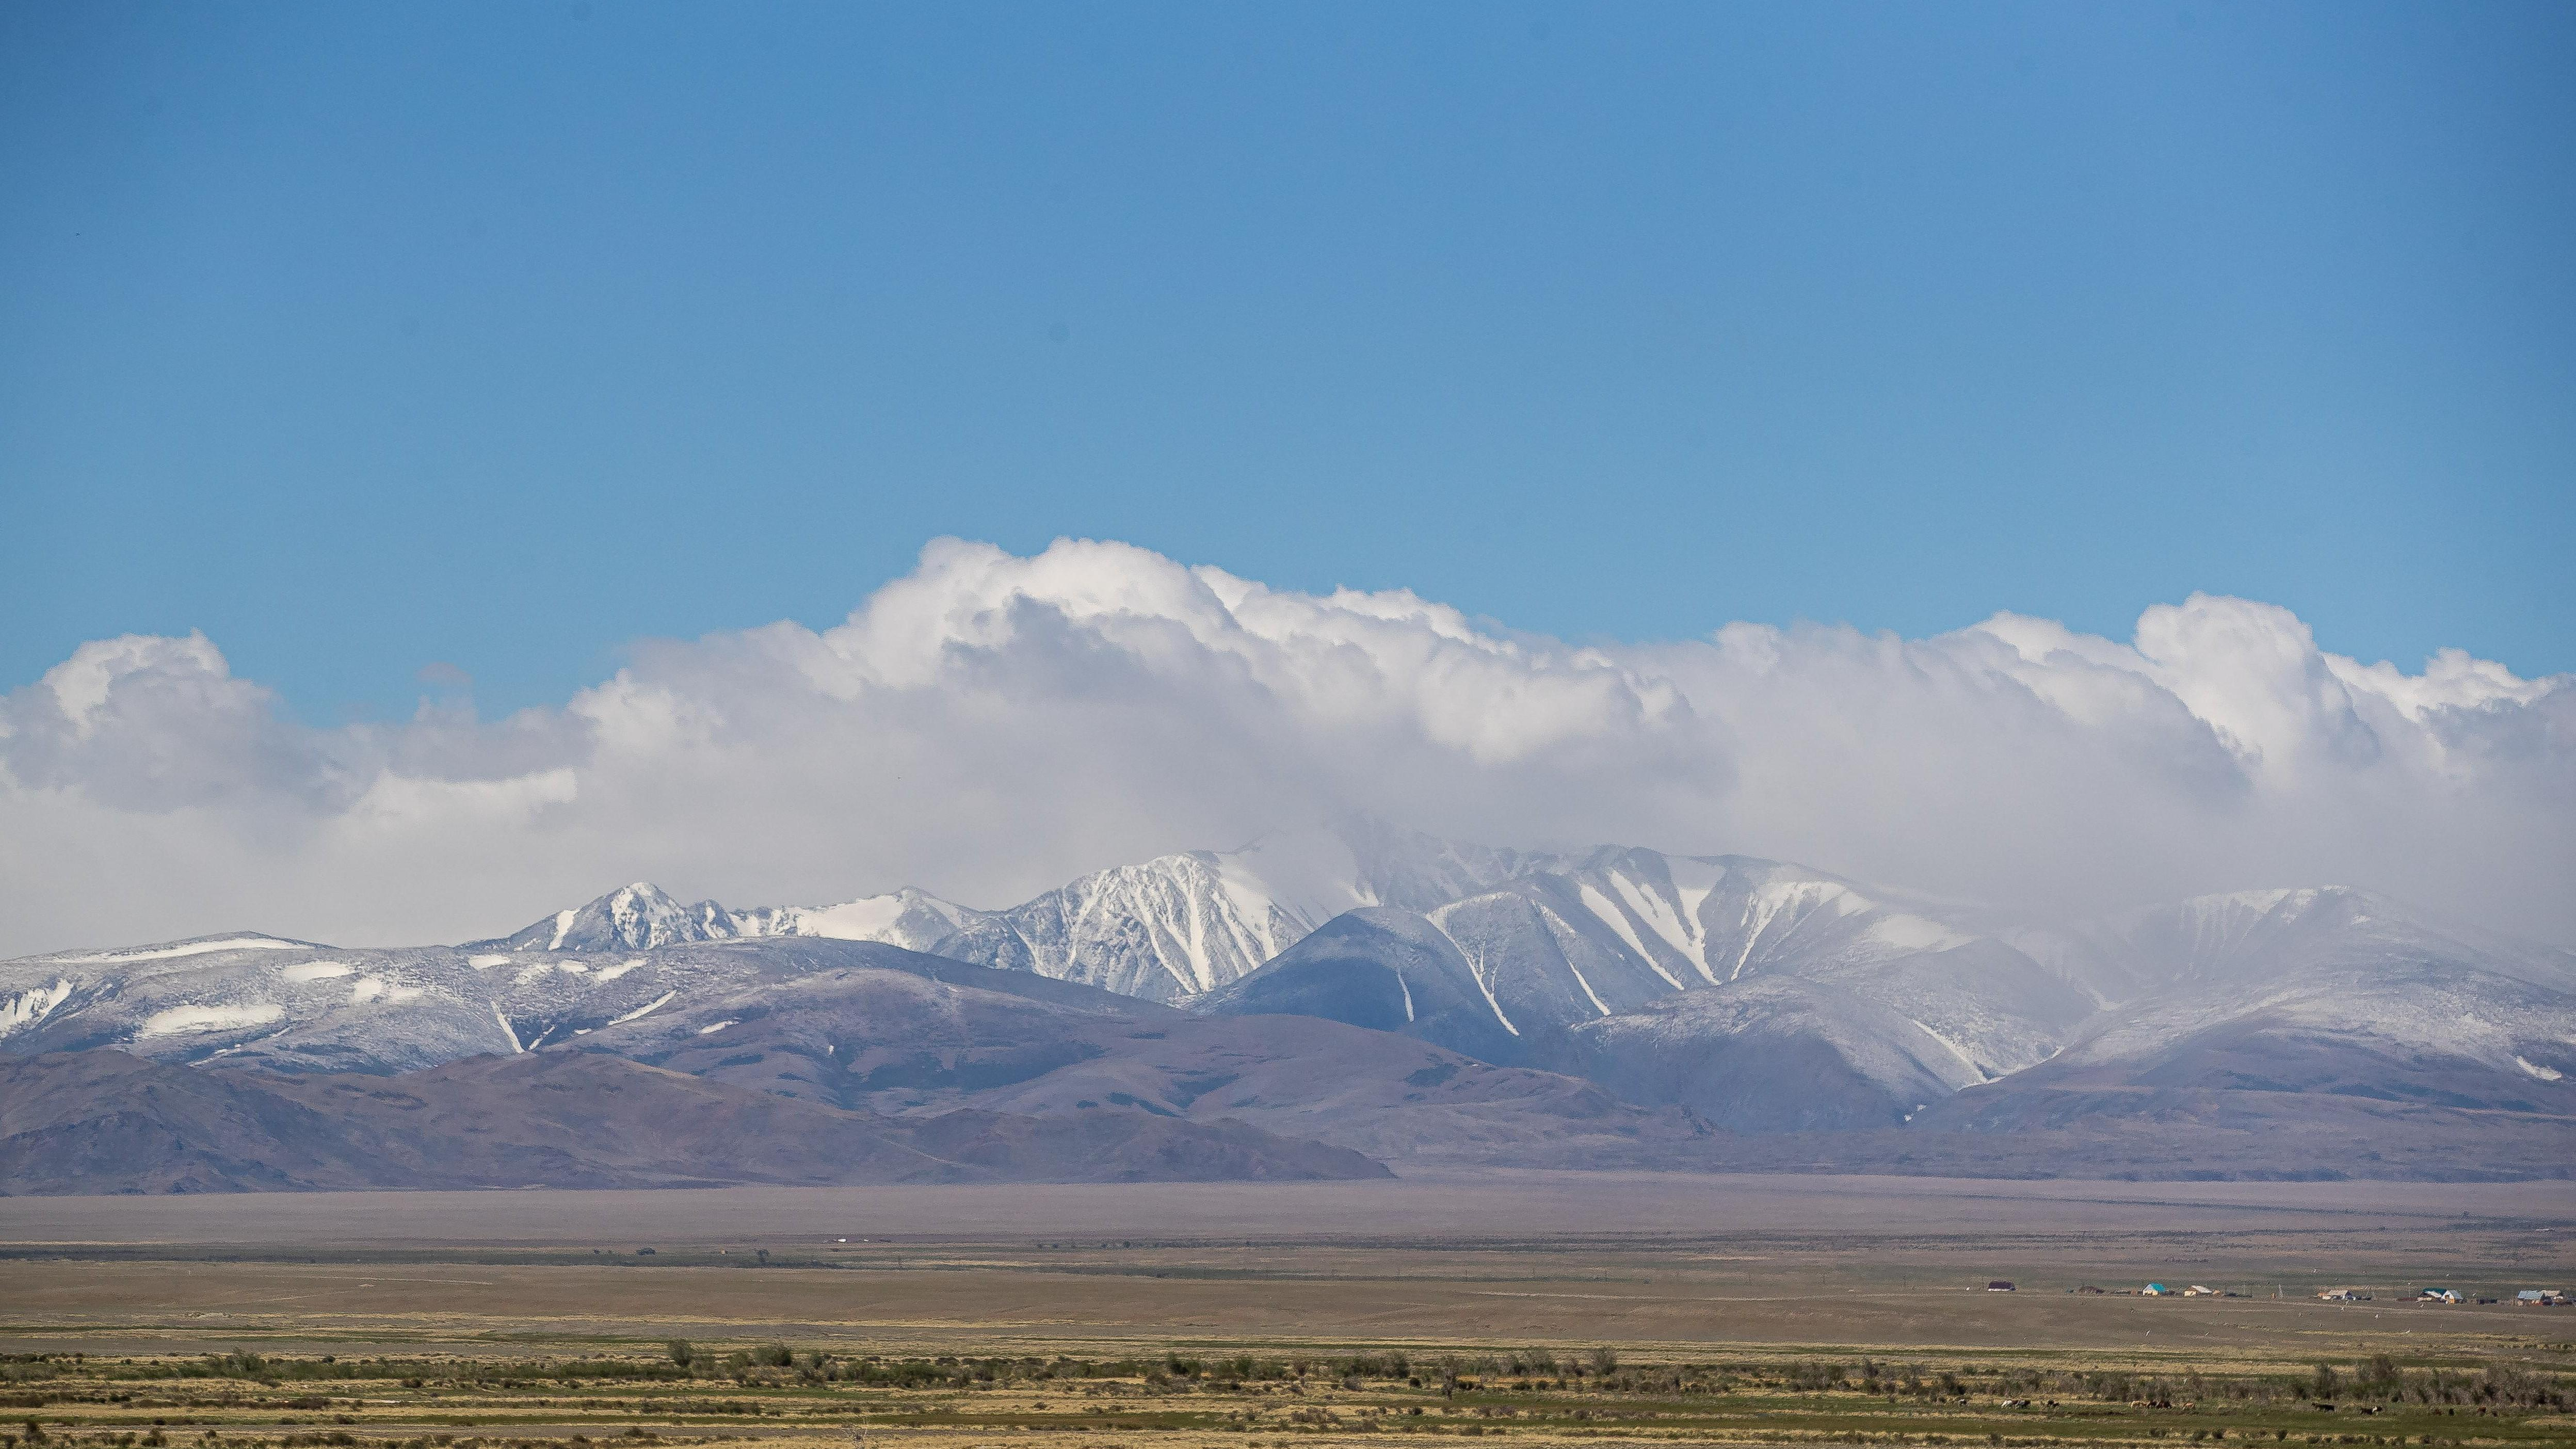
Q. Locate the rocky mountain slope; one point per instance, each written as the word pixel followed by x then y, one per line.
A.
pixel 1165 929
pixel 1765 996
pixel 103 1121
pixel 854 1025
pixel 2333 991
pixel 1426 1003
pixel 913 1041
pixel 298 1007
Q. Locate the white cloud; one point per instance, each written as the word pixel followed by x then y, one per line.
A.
pixel 992 725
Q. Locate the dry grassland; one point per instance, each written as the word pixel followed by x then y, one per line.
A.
pixel 1785 1310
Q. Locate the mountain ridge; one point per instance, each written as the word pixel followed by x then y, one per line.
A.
pixel 103 1121
pixel 1745 1000
pixel 1167 928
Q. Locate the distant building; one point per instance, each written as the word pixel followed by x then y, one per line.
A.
pixel 2000 1285
pixel 2539 1298
pixel 2199 1290
pixel 2342 1295
pixel 2088 1288
pixel 2439 1295
pixel 2155 1290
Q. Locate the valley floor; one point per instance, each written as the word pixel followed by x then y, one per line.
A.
pixel 1553 1308
pixel 1660 1262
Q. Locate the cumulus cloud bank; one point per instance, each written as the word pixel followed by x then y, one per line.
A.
pixel 991 725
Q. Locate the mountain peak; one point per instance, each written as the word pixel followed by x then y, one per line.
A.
pixel 634 917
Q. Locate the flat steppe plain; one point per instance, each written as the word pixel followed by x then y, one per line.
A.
pixel 1554 1308
pixel 1560 1259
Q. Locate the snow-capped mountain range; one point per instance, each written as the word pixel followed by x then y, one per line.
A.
pixel 1758 995
pixel 1165 930
pixel 1774 997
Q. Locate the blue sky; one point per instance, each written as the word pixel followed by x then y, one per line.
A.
pixel 370 338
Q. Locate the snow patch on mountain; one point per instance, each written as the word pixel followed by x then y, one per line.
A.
pixel 1485 981
pixel 1955 1050
pixel 26 1008
pixel 208 1018
pixel 372 989
pixel 912 919
pixel 1675 920
pixel 869 918
pixel 647 1009
pixel 184 948
pixel 1617 920
pixel 1588 993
